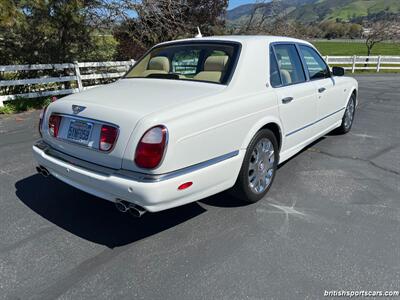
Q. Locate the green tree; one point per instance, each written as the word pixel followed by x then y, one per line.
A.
pixel 355 31
pixel 51 31
pixel 155 21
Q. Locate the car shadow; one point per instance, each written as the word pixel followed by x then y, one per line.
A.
pixel 92 218
pixel 98 221
pixel 224 199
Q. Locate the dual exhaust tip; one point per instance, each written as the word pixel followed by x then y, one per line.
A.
pixel 125 206
pixel 121 205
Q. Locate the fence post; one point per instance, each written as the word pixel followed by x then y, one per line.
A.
pixel 354 64
pixel 378 66
pixel 78 76
pixel 1 103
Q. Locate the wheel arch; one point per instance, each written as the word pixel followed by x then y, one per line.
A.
pixel 272 124
pixel 355 93
pixel 276 130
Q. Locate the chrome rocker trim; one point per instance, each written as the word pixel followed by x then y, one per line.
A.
pixel 127 174
pixel 315 122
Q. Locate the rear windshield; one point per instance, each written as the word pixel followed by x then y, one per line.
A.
pixel 208 62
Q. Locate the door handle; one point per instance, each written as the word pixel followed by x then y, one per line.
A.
pixel 287 100
pixel 321 90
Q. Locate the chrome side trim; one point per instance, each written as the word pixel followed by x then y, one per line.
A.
pixel 127 174
pixel 315 122
pixel 142 177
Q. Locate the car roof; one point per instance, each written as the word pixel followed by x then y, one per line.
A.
pixel 243 39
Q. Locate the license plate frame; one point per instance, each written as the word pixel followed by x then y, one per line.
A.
pixel 79 132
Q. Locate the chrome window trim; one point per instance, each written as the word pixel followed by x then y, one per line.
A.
pixel 305 63
pixel 306 79
pixel 127 174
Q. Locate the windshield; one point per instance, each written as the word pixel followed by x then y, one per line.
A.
pixel 196 61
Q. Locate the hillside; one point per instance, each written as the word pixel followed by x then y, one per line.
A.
pixel 308 11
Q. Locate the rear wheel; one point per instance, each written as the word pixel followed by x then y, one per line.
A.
pixel 258 168
pixel 348 117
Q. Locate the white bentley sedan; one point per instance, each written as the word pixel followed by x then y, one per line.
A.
pixel 193 118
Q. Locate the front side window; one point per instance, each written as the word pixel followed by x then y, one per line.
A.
pixel 208 62
pixel 289 63
pixel 316 66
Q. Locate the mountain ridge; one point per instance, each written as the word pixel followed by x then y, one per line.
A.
pixel 309 11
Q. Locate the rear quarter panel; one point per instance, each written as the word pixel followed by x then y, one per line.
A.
pixel 207 128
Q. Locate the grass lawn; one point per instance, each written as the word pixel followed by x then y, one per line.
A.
pixel 347 49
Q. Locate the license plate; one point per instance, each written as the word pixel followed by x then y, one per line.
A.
pixel 79 131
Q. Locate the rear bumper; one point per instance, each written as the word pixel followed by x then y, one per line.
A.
pixel 153 192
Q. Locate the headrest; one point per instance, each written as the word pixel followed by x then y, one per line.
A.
pixel 159 63
pixel 216 63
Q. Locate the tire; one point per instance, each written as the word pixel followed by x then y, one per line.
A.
pixel 256 175
pixel 348 117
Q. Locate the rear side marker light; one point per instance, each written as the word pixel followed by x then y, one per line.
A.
pixel 185 185
pixel 108 136
pixel 151 147
pixel 54 125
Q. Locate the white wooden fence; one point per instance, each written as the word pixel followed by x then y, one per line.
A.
pixel 354 63
pixel 78 74
pixel 81 73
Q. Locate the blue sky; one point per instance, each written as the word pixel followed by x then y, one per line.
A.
pixel 236 3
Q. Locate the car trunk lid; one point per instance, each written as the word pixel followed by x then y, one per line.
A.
pixel 121 105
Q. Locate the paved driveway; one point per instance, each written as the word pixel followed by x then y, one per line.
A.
pixel 330 221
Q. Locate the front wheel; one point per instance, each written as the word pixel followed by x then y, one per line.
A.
pixel 258 168
pixel 348 117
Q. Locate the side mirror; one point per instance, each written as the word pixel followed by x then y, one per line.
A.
pixel 338 71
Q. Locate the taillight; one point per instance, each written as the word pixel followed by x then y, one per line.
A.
pixel 108 136
pixel 151 147
pixel 54 125
pixel 41 117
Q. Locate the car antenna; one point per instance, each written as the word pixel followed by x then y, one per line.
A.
pixel 198 35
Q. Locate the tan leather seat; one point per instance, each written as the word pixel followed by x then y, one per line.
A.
pixel 157 65
pixel 285 74
pixel 214 68
pixel 286 78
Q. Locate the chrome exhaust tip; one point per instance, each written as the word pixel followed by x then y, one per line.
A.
pixel 121 206
pixel 137 211
pixel 43 171
pixel 134 210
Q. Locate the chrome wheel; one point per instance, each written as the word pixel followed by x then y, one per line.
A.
pixel 261 166
pixel 349 114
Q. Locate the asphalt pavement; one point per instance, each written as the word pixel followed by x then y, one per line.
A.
pixel 331 221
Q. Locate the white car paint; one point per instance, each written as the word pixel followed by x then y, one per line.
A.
pixel 208 124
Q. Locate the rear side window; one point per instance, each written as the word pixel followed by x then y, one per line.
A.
pixel 316 66
pixel 274 76
pixel 289 63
